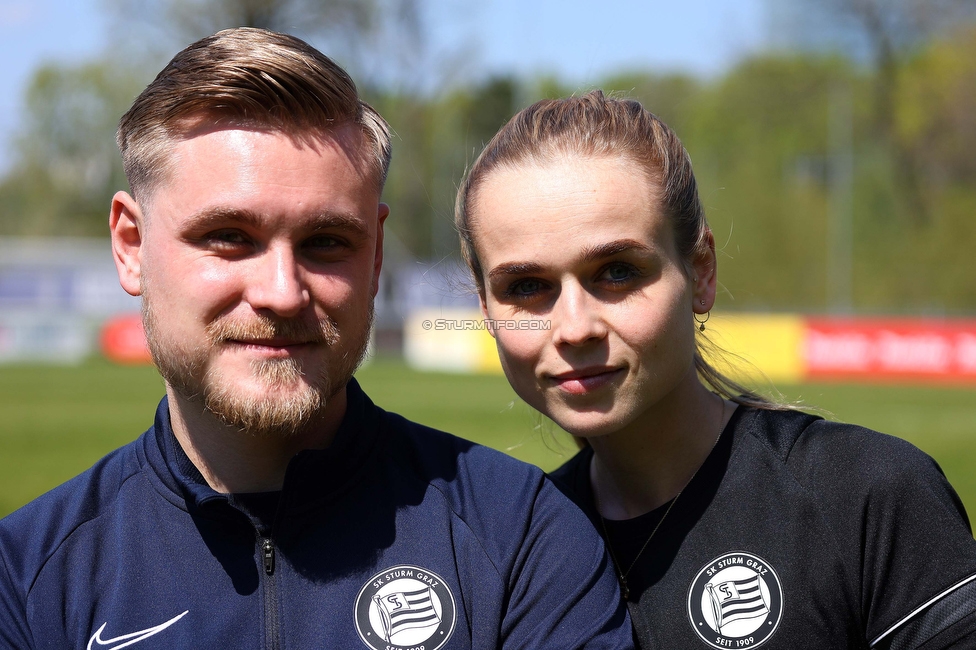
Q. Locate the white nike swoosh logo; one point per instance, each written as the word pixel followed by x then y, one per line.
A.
pixel 133 637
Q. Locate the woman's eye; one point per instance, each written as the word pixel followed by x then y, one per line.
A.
pixel 618 273
pixel 524 288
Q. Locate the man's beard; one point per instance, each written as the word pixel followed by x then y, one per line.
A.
pixel 293 395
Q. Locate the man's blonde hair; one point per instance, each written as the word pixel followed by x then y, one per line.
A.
pixel 248 78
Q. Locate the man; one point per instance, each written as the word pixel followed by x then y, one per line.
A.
pixel 271 504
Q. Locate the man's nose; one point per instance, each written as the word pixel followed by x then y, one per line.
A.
pixel 276 283
pixel 577 317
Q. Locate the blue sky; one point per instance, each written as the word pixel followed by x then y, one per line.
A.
pixel 582 40
pixel 578 41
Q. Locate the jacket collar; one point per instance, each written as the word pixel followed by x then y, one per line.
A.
pixel 313 475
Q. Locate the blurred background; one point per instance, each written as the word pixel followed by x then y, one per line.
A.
pixel 833 142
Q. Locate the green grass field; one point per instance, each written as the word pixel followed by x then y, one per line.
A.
pixel 56 421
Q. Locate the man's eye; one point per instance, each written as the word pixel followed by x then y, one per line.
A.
pixel 323 242
pixel 325 248
pixel 227 240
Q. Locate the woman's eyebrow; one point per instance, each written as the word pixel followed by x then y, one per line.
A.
pixel 590 254
pixel 609 249
pixel 515 268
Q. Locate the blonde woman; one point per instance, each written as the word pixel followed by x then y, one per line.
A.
pixel 733 522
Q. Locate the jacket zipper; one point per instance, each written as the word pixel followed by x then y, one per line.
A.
pixel 271 626
pixel 267 547
pixel 268 553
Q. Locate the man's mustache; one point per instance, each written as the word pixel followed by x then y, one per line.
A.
pixel 261 327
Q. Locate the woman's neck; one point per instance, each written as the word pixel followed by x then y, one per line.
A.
pixel 649 462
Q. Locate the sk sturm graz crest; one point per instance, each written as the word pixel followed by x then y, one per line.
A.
pixel 405 607
pixel 736 601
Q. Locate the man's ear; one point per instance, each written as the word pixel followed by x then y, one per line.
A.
pixel 705 279
pixel 126 224
pixel 382 213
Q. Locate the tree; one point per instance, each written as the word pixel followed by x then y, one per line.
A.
pixel 437 138
pixel 67 164
pixel 893 29
pixel 935 109
pixel 373 39
pixel 889 32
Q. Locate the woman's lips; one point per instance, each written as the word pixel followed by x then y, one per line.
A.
pixel 580 382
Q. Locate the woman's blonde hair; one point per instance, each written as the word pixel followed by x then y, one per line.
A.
pixel 594 125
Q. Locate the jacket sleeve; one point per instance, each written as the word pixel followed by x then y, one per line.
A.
pixel 563 591
pixel 909 540
pixel 947 624
pixel 13 610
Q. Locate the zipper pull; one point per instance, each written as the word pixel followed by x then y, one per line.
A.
pixel 268 551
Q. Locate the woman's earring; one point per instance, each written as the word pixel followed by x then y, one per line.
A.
pixel 701 323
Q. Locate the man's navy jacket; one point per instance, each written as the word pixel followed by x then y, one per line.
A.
pixel 396 536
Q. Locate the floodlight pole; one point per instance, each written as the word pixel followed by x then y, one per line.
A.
pixel 840 231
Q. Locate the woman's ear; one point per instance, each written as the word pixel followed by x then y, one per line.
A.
pixel 704 278
pixel 484 310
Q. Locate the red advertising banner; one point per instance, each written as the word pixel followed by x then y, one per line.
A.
pixel 123 340
pixel 890 349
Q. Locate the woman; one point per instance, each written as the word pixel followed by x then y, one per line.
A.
pixel 733 522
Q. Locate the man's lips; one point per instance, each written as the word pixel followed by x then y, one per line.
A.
pixel 271 347
pixel 585 380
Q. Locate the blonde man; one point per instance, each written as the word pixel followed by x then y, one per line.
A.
pixel 272 504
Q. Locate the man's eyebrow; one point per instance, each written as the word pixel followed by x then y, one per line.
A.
pixel 609 249
pixel 336 220
pixel 222 217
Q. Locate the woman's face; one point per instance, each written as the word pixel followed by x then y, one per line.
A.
pixel 579 244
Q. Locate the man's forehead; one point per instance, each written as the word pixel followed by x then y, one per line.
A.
pixel 232 142
pixel 346 137
pixel 199 135
pixel 224 170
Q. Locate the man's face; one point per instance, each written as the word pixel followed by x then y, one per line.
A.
pixel 258 264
